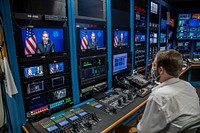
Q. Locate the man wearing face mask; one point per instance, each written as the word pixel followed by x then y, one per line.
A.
pixel 174 102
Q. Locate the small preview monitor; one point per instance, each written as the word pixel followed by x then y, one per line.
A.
pixel 91 39
pixel 56 67
pixel 140 37
pixel 35 87
pixel 182 29
pixel 181 35
pixel 34 71
pixel 192 35
pixel 197 47
pixel 42 40
pixel 193 22
pixel 163 24
pixel 37 101
pixel 154 7
pixel 121 38
pixel 182 22
pixel 183 45
pixel 58 81
pixel 121 63
pixel 184 16
pixel 92 69
pixel 163 38
pixel 59 94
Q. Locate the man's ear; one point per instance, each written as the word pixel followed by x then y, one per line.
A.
pixel 161 70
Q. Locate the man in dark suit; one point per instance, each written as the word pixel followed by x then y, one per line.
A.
pixel 121 40
pixel 45 46
pixel 93 43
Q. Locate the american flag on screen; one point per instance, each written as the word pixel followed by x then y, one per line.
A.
pixel 30 42
pixel 51 70
pixel 116 40
pixel 84 40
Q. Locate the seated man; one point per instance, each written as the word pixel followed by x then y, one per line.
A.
pixel 174 102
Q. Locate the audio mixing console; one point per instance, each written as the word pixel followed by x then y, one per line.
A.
pixel 69 121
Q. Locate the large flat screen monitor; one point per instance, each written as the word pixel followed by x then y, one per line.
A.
pixel 42 40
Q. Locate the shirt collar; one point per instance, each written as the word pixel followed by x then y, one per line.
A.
pixel 167 82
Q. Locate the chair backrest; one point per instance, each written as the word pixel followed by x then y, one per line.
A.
pixel 192 127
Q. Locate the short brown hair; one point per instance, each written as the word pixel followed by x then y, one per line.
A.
pixel 171 61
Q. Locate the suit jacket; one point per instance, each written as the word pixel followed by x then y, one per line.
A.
pixel 93 45
pixel 40 48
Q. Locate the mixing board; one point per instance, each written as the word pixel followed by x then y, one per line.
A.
pixel 138 80
pixel 119 98
pixel 102 107
pixel 69 121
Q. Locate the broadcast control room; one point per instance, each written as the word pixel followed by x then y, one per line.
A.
pixel 99 66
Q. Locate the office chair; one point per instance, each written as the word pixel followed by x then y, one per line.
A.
pixel 192 127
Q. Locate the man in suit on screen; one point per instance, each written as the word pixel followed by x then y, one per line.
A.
pixel 45 46
pixel 93 43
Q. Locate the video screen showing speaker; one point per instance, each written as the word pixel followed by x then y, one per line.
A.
pixel 57 67
pixel 92 69
pixel 121 38
pixel 91 39
pixel 42 41
pixel 121 63
pixel 33 71
pixel 35 87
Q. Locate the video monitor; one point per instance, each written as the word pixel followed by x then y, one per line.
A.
pixel 42 40
pixel 197 46
pixel 183 45
pixel 33 71
pixel 92 69
pixel 154 7
pixel 181 35
pixel 183 23
pixel 59 94
pixel 56 67
pixel 35 87
pixel 120 38
pixel 121 63
pixel 91 39
pixel 140 37
pixel 163 24
pixel 163 38
pixel 198 35
pixel 192 35
pixel 182 29
pixel 170 34
pixel 184 16
pixel 193 22
pixel 169 46
pixel 35 102
pixel 196 16
pixel 58 81
pixel 193 29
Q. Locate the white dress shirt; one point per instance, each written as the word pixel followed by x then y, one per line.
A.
pixel 170 106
